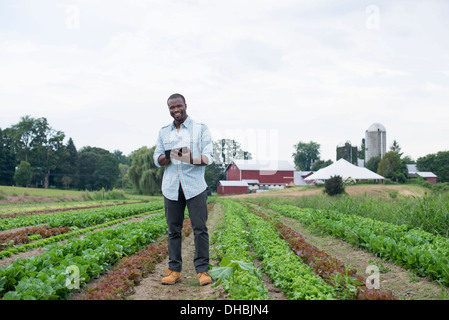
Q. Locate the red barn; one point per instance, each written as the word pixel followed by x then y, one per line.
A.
pixel 232 187
pixel 429 176
pixel 269 174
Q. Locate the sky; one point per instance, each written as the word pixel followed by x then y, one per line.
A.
pixel 267 73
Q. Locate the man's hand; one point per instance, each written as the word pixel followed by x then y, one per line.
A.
pixel 182 154
pixel 185 155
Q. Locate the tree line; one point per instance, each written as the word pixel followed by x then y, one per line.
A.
pixel 33 154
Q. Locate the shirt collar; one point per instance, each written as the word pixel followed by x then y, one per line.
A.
pixel 187 122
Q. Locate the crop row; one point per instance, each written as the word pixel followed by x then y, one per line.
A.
pixel 297 280
pixel 348 282
pixel 27 211
pixel 74 232
pixel 29 234
pixel 411 248
pixel 119 283
pixel 81 218
pixel 237 273
pixel 48 276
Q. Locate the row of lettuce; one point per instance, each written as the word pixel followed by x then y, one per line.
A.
pixel 80 218
pixel 412 248
pixel 237 273
pixel 50 275
pixel 46 276
pixel 78 222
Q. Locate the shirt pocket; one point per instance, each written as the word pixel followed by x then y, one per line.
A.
pixel 168 145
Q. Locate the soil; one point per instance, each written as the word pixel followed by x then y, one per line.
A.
pixel 151 288
pixel 21 198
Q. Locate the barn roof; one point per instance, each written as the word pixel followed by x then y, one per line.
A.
pixel 426 174
pixel 268 165
pixel 233 183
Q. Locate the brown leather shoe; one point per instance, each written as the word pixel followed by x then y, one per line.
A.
pixel 172 277
pixel 204 278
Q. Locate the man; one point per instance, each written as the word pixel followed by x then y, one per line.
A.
pixel 184 148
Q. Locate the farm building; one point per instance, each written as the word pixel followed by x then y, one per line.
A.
pixel 413 172
pixel 232 187
pixel 267 174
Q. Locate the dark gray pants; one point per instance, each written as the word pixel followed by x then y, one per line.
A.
pixel 174 214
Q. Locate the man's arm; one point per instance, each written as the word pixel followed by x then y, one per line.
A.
pixel 159 154
pixel 207 152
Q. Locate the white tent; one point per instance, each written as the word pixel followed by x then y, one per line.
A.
pixel 344 169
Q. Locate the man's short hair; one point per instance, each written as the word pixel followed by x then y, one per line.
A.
pixel 176 95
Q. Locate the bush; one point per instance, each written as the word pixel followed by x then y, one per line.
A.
pixel 113 194
pixel 334 186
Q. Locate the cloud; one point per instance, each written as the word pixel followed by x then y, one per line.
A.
pixel 310 70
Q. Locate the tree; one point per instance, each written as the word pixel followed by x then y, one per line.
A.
pixel 23 174
pixel 373 163
pixel 305 155
pixel 66 181
pixel 395 147
pixel 7 159
pixel 71 162
pixel 319 164
pixel 96 168
pixel 106 172
pixel 213 174
pixel 35 142
pixel 438 163
pixel 392 167
pixel 143 173
pixel 121 158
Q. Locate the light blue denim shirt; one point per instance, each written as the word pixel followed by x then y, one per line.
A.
pixel 191 177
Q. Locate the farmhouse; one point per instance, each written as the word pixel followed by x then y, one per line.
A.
pixel 257 175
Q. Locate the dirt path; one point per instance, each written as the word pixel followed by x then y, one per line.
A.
pixel 150 288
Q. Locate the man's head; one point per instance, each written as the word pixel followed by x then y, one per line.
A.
pixel 177 107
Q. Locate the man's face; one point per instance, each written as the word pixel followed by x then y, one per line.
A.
pixel 178 109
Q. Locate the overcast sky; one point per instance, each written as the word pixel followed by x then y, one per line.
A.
pixel 268 73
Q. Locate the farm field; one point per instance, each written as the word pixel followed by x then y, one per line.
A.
pixel 262 248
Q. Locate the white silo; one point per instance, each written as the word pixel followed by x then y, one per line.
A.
pixel 375 141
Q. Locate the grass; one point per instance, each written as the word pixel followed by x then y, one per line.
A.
pixel 15 191
pixel 62 195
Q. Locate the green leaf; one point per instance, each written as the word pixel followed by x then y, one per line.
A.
pixel 220 272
